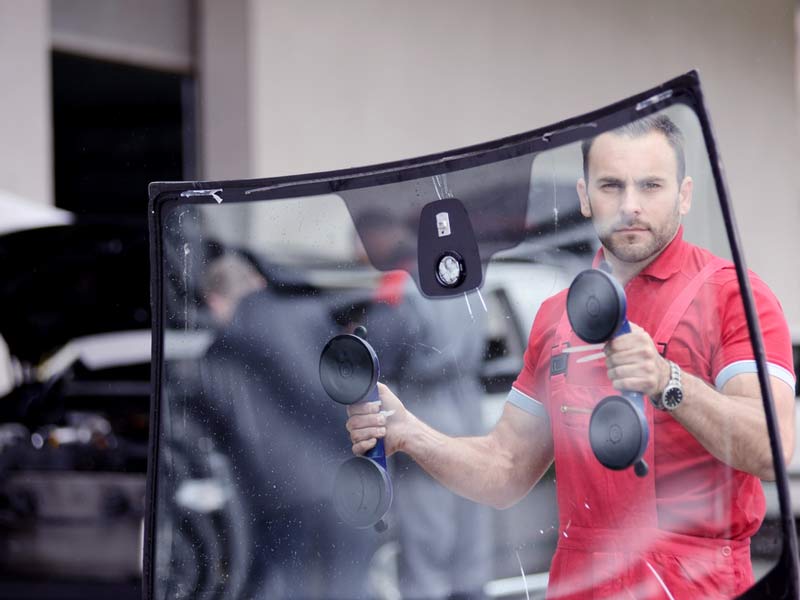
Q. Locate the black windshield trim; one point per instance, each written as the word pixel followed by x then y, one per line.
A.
pixel 787 568
pixel 681 90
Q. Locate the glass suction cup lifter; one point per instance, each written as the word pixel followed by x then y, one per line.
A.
pixel 362 490
pixel 618 430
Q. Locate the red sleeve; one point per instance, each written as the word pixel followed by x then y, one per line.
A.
pixel 735 345
pixel 533 379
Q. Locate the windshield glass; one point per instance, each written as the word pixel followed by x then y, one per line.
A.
pixel 549 424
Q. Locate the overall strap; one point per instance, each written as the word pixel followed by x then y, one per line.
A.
pixel 682 301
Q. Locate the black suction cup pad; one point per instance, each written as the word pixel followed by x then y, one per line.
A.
pixel 595 306
pixel 362 493
pixel 348 369
pixel 615 432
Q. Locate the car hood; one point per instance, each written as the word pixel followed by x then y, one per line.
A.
pixel 61 282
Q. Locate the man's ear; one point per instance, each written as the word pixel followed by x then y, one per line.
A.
pixel 586 207
pixel 685 195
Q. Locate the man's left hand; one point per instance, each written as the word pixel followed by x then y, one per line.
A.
pixel 634 364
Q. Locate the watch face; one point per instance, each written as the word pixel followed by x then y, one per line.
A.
pixel 672 397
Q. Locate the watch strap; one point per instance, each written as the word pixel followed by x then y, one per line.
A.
pixel 674 380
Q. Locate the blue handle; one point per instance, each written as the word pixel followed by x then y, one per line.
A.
pixel 377 452
pixel 636 397
pixel 624 328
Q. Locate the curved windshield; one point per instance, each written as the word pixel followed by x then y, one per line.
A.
pixel 571 397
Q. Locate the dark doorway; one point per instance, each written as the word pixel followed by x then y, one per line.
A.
pixel 116 128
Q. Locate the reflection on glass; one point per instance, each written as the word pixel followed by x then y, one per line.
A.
pixel 249 442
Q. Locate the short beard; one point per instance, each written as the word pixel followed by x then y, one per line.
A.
pixel 624 251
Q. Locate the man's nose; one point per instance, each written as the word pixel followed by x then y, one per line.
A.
pixel 630 204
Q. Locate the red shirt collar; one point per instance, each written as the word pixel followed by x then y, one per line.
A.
pixel 665 265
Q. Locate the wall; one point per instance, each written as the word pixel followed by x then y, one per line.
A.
pixel 224 88
pixel 151 33
pixel 308 85
pixel 340 84
pixel 25 110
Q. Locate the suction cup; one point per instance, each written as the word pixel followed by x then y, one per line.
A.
pixel 595 306
pixel 617 433
pixel 348 369
pixel 362 493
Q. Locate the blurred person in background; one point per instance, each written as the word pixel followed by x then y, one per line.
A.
pixel 281 433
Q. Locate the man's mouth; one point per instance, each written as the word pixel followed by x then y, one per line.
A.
pixel 630 229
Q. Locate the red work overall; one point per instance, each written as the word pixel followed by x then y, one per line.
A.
pixel 610 544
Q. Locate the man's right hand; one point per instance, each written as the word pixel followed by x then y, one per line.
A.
pixel 369 421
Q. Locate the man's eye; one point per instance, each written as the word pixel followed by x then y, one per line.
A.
pixel 610 186
pixel 652 185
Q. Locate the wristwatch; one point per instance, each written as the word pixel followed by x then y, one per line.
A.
pixel 672 395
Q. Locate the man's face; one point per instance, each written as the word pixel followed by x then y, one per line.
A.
pixel 389 245
pixel 633 196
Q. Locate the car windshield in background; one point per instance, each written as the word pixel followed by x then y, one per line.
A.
pixel 560 309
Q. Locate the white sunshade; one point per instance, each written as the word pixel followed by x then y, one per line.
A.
pixel 18 213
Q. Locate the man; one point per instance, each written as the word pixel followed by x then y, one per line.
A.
pixel 684 530
pixel 279 433
pixel 228 280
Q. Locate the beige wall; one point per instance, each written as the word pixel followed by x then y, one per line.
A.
pixel 340 84
pixel 25 112
pixel 224 91
pixel 152 33
pixel 224 99
pixel 309 85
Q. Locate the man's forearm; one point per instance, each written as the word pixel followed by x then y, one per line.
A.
pixel 477 468
pixel 497 469
pixel 731 427
pixel 729 424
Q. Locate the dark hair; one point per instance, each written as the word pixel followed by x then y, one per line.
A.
pixel 660 123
